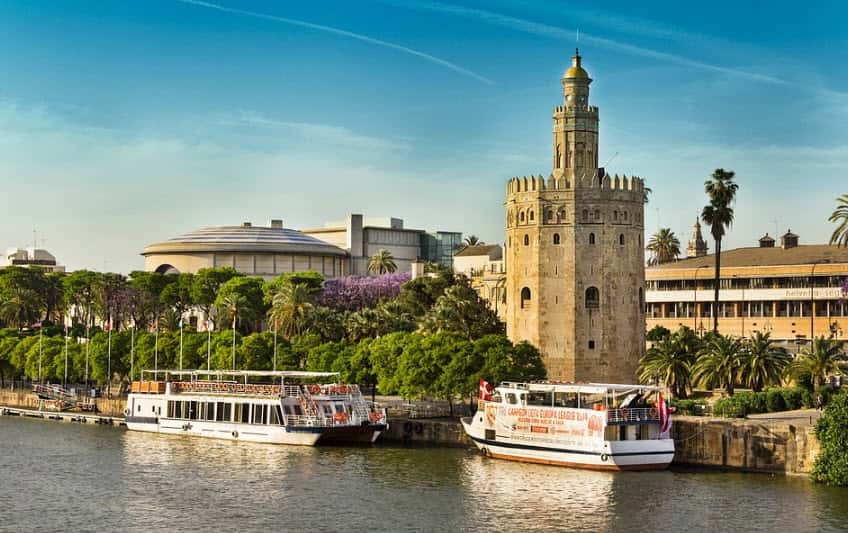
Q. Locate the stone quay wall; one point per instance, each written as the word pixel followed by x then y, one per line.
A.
pixel 25 399
pixel 786 446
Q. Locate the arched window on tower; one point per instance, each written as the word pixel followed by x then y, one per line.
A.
pixel 521 217
pixel 558 160
pixel 526 240
pixel 525 297
pixel 585 215
pixel 556 238
pixel 549 218
pixel 621 239
pixel 532 217
pixel 593 298
pixel 561 215
pixel 625 216
pixel 597 215
pixel 591 238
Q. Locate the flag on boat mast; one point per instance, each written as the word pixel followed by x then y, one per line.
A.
pixel 665 416
pixel 485 390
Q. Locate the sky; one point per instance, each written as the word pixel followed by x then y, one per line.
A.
pixel 124 123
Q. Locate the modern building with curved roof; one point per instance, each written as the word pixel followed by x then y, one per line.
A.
pixel 252 250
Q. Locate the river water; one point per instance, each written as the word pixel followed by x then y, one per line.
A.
pixel 61 476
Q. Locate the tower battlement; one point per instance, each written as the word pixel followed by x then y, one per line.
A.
pixel 576 107
pixel 620 184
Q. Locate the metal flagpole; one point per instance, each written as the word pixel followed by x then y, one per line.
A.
pixel 208 344
pixel 65 382
pixel 181 343
pixel 275 345
pixel 87 345
pixel 132 350
pixel 40 350
pixel 109 360
pixel 234 342
pixel 156 349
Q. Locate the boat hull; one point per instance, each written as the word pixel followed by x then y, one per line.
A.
pixel 306 436
pixel 365 434
pixel 611 455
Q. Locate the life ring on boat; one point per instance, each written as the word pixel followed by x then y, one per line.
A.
pixel 604 457
pixel 654 413
pixel 235 434
pixel 314 389
pixel 375 416
pixel 342 389
pixel 340 417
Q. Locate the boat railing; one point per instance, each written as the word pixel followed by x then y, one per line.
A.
pixel 635 415
pixel 221 387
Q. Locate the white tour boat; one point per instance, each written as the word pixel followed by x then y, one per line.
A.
pixel 584 425
pixel 285 408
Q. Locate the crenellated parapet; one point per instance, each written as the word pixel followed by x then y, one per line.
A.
pixel 561 109
pixel 622 185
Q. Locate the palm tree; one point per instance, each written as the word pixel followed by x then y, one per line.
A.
pixel 234 307
pixel 21 307
pixel 670 362
pixel 382 262
pixel 840 216
pixel 824 358
pixel 719 363
pixel 664 246
pixel 290 308
pixel 718 214
pixel 473 240
pixel 763 363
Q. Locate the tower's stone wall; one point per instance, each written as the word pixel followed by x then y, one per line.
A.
pixel 575 234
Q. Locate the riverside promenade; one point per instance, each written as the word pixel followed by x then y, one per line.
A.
pixel 779 443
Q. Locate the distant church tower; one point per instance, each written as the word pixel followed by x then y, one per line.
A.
pixel 697 246
pixel 575 253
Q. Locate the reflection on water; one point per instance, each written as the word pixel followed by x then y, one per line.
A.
pixel 63 476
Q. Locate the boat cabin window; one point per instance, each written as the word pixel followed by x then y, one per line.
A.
pixel 540 398
pixel 259 412
pixel 276 416
pixel 511 398
pixel 223 411
pixel 328 409
pixel 565 399
pixel 496 398
pixel 287 409
pixel 298 410
pixel 192 410
pixel 592 400
pixel 243 413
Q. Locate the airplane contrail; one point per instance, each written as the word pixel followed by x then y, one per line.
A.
pixel 344 33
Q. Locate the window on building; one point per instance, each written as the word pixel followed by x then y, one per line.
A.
pixel 556 238
pixel 532 216
pixel 593 298
pixel 525 297
pixel 591 345
pixel 591 238
pixel 521 217
pixel 550 216
pixel 526 240
pixel 585 215
pixel 621 239
pixel 625 216
pixel 615 215
pixel 597 215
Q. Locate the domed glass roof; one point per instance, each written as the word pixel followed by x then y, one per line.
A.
pixel 245 238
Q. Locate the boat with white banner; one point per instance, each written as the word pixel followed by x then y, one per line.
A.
pixel 280 407
pixel 585 425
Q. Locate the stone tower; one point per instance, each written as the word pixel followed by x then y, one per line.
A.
pixel 697 245
pixel 575 260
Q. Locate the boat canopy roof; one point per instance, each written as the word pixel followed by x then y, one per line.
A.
pixel 242 373
pixel 590 388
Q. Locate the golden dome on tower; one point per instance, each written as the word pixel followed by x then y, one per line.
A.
pixel 576 70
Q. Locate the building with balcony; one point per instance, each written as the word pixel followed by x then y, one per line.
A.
pixel 792 291
pixel 32 257
pixel 483 264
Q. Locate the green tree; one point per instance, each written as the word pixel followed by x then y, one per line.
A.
pixel 290 309
pixel 150 286
pixel 670 361
pixel 241 302
pixel 519 362
pixel 385 353
pixel 840 217
pixel 763 363
pixel 824 358
pixel 718 214
pixel 719 363
pixel 311 279
pixel 178 295
pixel 20 307
pixel 387 317
pixel 205 286
pixel 420 294
pixel 831 466
pixel 664 247
pixel 382 262
pixel 658 333
pixel 472 240
pixel 326 323
pixel 81 294
pixel 461 310
pixel 256 352
pixel 54 297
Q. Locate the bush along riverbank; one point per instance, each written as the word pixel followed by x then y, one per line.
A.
pixel 831 465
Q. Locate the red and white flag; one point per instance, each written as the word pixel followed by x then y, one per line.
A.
pixel 665 415
pixel 485 390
